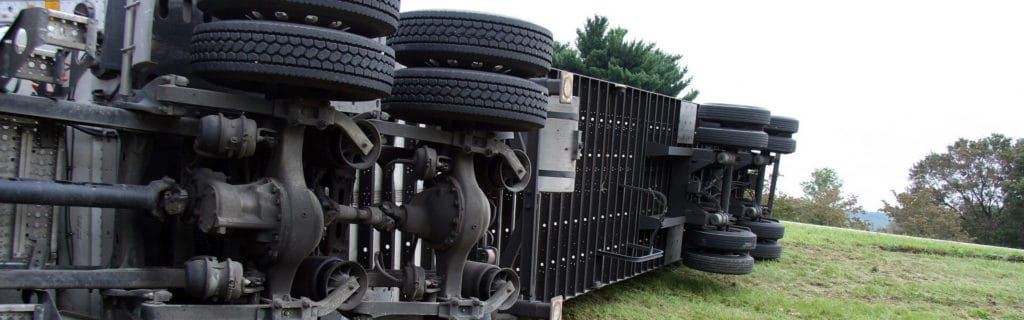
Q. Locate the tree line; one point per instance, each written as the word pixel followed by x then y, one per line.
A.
pixel 973 191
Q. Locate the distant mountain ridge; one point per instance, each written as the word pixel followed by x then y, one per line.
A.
pixel 877 220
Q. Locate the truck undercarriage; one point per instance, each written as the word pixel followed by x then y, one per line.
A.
pixel 279 159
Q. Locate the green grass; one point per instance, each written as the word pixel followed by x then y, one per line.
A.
pixel 829 274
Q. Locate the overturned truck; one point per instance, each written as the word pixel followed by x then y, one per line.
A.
pixel 286 159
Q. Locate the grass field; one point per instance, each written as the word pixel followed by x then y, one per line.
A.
pixel 829 274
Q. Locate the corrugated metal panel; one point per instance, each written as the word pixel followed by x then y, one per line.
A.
pixel 616 123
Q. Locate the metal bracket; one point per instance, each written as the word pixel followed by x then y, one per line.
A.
pixel 46 307
pixel 174 93
pixel 556 308
pixel 353 132
pixel 658 222
pixel 299 309
pixel 150 295
pixel 146 99
pixel 173 90
pixel 472 141
pixel 460 309
pixel 315 113
pixel 71 31
pixel 478 142
pixel 42 66
pixel 308 309
pixel 22 311
pixel 565 92
pixel 655 150
pixel 561 87
pixel 36 27
pixel 687 122
pixel 650 253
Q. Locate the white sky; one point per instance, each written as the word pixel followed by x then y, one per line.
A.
pixel 877 85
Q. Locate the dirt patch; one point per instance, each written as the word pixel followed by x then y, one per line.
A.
pixel 914 250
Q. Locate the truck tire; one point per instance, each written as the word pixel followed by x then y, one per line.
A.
pixel 731 240
pixel 765 229
pixel 766 250
pixel 731 137
pixel 368 18
pixel 734 114
pixel 476 41
pixel 782 126
pixel 718 263
pixel 467 99
pixel 275 56
pixel 781 145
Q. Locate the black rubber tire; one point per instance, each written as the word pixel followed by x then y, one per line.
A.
pixel 368 18
pixel 467 99
pixel 780 125
pixel 731 240
pixel 291 59
pixel 765 229
pixel 731 137
pixel 734 114
pixel 718 263
pixel 767 250
pixel 781 145
pixel 469 40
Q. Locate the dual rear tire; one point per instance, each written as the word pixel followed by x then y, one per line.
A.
pixel 768 232
pixel 732 126
pixel 467 71
pixel 724 251
pixel 733 250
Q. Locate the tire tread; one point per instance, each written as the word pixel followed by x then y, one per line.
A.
pixel 523 47
pixel 781 145
pixel 731 137
pixel 369 18
pixel 767 250
pixel 251 55
pixel 733 240
pixel 764 229
pixel 782 125
pixel 737 114
pixel 467 98
pixel 717 263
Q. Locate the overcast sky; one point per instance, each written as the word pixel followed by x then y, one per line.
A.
pixel 877 85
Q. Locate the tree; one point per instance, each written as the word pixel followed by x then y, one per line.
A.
pixel 976 178
pixel 823 203
pixel 604 53
pixel 1011 230
pixel 916 213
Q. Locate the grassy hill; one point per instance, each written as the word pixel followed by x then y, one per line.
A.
pixel 828 273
